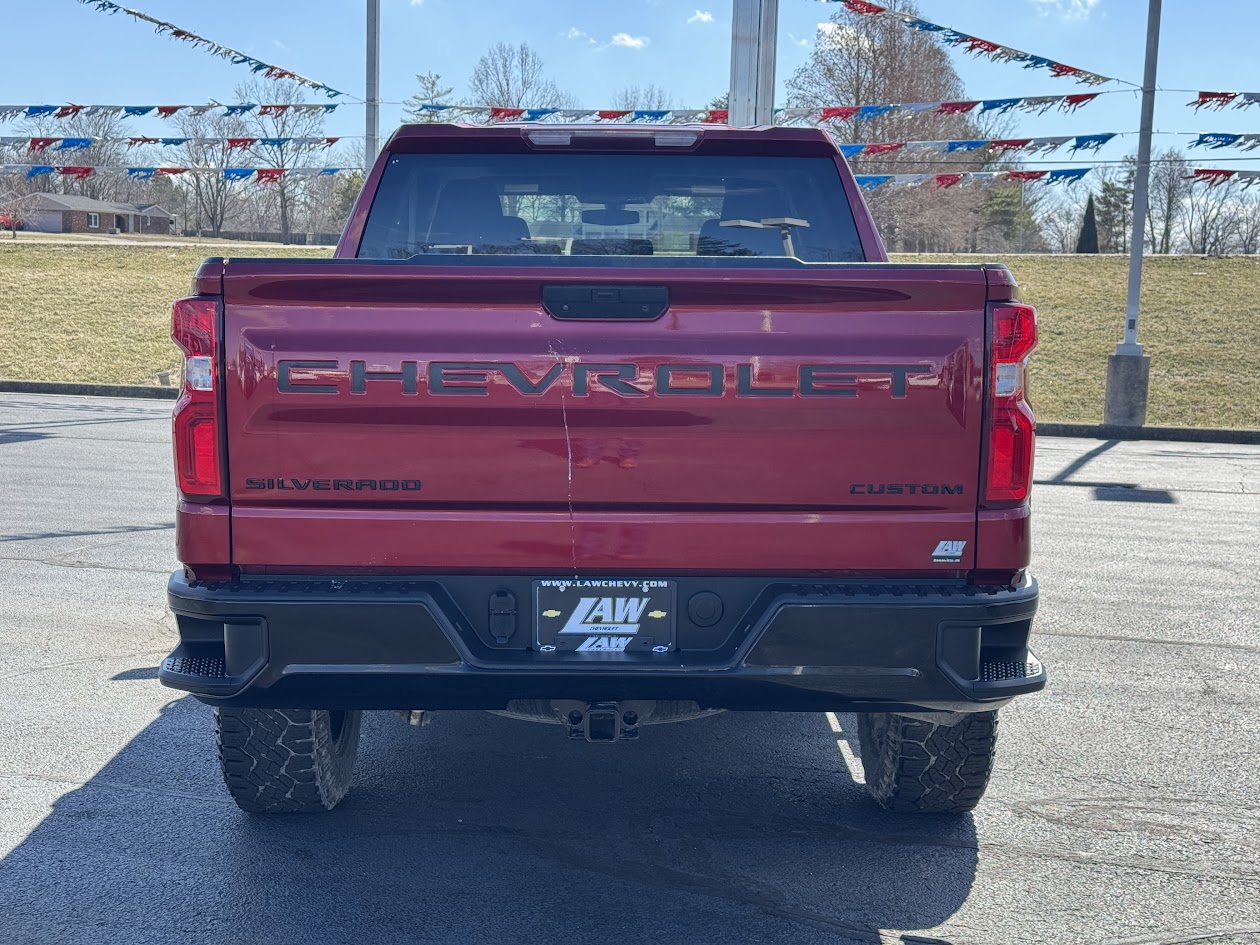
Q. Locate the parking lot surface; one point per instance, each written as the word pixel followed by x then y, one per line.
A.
pixel 1125 807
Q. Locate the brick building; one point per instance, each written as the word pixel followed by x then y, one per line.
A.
pixel 61 213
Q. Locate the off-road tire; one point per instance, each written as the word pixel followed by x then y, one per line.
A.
pixel 287 761
pixel 922 767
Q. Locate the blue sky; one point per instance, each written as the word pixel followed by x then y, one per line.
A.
pixel 594 47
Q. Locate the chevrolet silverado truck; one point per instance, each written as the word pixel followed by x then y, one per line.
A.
pixel 605 427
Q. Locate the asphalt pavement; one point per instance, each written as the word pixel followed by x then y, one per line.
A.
pixel 1125 807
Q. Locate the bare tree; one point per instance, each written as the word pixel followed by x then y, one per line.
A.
pixel 861 60
pixel 1247 222
pixel 1060 217
pixel 1169 189
pixel 432 92
pixel 650 96
pixel 513 77
pixel 1207 222
pixel 13 211
pixel 213 195
pixel 105 128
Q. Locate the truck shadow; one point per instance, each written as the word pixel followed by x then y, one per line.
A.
pixel 478 828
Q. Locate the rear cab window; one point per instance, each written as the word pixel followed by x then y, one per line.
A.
pixel 678 209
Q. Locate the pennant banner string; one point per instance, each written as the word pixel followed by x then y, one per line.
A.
pixel 11 112
pixel 39 145
pixel 1064 175
pixel 976 46
pixel 262 175
pixel 1215 176
pixel 223 52
pixel 1221 99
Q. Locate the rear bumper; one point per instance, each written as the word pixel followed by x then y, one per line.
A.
pixel 780 644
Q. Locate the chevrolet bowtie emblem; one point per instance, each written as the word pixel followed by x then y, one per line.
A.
pixel 551 613
pixel 657 613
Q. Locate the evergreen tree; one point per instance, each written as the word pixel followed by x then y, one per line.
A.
pixel 1088 241
pixel 432 92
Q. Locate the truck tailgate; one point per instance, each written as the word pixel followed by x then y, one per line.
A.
pixel 419 417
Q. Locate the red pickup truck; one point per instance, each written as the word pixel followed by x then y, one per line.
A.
pixel 604 426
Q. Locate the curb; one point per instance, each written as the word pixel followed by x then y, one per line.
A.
pixel 1101 431
pixel 89 390
pixel 1088 431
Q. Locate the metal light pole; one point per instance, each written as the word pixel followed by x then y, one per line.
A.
pixel 373 90
pixel 754 34
pixel 1129 370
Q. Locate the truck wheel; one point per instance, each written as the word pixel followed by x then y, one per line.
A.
pixel 925 767
pixel 287 761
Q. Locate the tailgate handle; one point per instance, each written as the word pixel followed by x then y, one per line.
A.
pixel 621 302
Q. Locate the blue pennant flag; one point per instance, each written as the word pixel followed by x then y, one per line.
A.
pixel 329 109
pixel 1091 142
pixel 1033 62
pixel 240 109
pixel 257 65
pixel 273 142
pixel 73 144
pixel 852 150
pixel 330 170
pixel 871 181
pixel 649 114
pixel 135 111
pixel 33 110
pixel 237 173
pixel 953 37
pixel 428 108
pixel 1215 140
pixel 533 114
pixel 916 24
pixel 1002 105
pixel 172 142
pixel 964 146
pixel 38 170
pixel 141 173
pixel 872 111
pixel 1068 174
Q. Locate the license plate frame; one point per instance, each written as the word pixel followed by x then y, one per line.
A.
pixel 587 616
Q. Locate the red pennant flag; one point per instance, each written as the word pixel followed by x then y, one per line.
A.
pixel 1214 99
pixel 942 181
pixel 1009 144
pixel 1073 102
pixel 956 108
pixel 503 114
pixel 170 170
pixel 716 116
pixel 1059 70
pixel 888 148
pixel 974 44
pixel 132 142
pixel 843 113
pixel 275 72
pixel 1213 176
pixel 1025 175
pixel 234 143
pixel 612 115
pixel 861 6
pixel 329 142
pixel 78 173
pixel 273 109
pixel 269 175
pixel 166 111
pixel 39 145
pixel 68 111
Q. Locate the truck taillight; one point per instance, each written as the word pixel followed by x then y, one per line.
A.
pixel 196 419
pixel 1008 470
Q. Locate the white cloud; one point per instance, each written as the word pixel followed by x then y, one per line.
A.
pixel 630 42
pixel 417 3
pixel 580 35
pixel 797 41
pixel 1067 9
pixel 700 16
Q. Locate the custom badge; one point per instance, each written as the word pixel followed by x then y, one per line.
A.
pixel 948 552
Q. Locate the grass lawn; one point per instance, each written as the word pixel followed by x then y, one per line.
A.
pixel 100 313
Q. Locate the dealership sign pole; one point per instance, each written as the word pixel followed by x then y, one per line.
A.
pixel 1128 370
pixel 373 89
pixel 754 33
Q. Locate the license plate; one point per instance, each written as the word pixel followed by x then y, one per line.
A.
pixel 596 615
